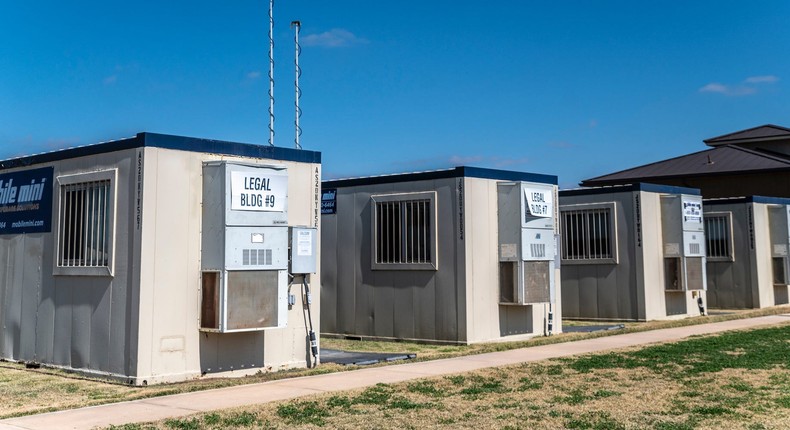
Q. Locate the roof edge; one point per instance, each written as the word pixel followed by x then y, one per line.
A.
pixel 455 172
pixel 725 138
pixel 747 199
pixel 598 181
pixel 632 187
pixel 167 141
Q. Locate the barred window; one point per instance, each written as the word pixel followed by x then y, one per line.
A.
pixel 588 233
pixel 718 236
pixel 404 231
pixel 86 224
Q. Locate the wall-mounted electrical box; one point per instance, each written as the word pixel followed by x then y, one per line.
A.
pixel 683 230
pixel 526 217
pixel 304 248
pixel 244 253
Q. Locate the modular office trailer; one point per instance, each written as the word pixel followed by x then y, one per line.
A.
pixel 451 256
pixel 632 252
pixel 747 246
pixel 156 258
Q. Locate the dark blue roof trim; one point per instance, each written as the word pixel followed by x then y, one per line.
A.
pixel 166 141
pixel 457 172
pixel 748 199
pixel 641 186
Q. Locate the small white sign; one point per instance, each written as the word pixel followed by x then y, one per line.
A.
pixel 540 202
pixel 257 238
pixel 692 211
pixel 260 191
pixel 304 243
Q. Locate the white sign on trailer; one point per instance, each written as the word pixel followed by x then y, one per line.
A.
pixel 258 191
pixel 539 202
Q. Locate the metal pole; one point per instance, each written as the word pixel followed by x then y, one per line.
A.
pixel 298 71
pixel 271 73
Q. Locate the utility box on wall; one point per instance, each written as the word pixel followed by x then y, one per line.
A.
pixel 245 247
pixel 304 249
pixel 526 243
pixel 684 242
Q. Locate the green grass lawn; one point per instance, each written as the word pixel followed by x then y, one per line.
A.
pixel 734 380
pixel 30 391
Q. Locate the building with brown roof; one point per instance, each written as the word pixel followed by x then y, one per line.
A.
pixel 755 161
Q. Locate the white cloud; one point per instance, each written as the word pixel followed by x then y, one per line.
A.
pixel 728 90
pixel 335 38
pixel 714 87
pixel 110 80
pixel 749 86
pixel 765 79
pixel 255 74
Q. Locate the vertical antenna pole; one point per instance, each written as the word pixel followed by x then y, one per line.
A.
pixel 271 73
pixel 298 50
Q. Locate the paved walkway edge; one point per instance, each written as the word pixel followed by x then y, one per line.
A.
pixel 179 405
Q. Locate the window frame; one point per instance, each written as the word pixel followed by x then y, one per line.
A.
pixel 612 238
pixel 730 240
pixel 80 178
pixel 430 196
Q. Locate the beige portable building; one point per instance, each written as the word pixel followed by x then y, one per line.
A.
pixel 158 258
pixel 632 252
pixel 457 256
pixel 747 251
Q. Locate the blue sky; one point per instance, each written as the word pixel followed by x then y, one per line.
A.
pixel 571 88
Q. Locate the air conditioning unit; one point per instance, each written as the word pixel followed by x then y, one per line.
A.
pixel 683 230
pixel 244 254
pixel 526 217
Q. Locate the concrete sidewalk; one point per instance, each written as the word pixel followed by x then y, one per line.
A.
pixel 179 405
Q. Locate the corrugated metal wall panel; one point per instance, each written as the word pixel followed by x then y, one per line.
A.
pixel 11 307
pixel 82 309
pixel 56 318
pixel 31 287
pixel 61 342
pixel 445 281
pixel 413 304
pixel 604 291
pixel 610 293
pixel 730 282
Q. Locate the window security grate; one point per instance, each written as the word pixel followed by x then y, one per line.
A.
pixel 85 224
pixel 717 236
pixel 403 232
pixel 587 234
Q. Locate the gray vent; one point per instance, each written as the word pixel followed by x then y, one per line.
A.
pixel 694 248
pixel 256 257
pixel 538 250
